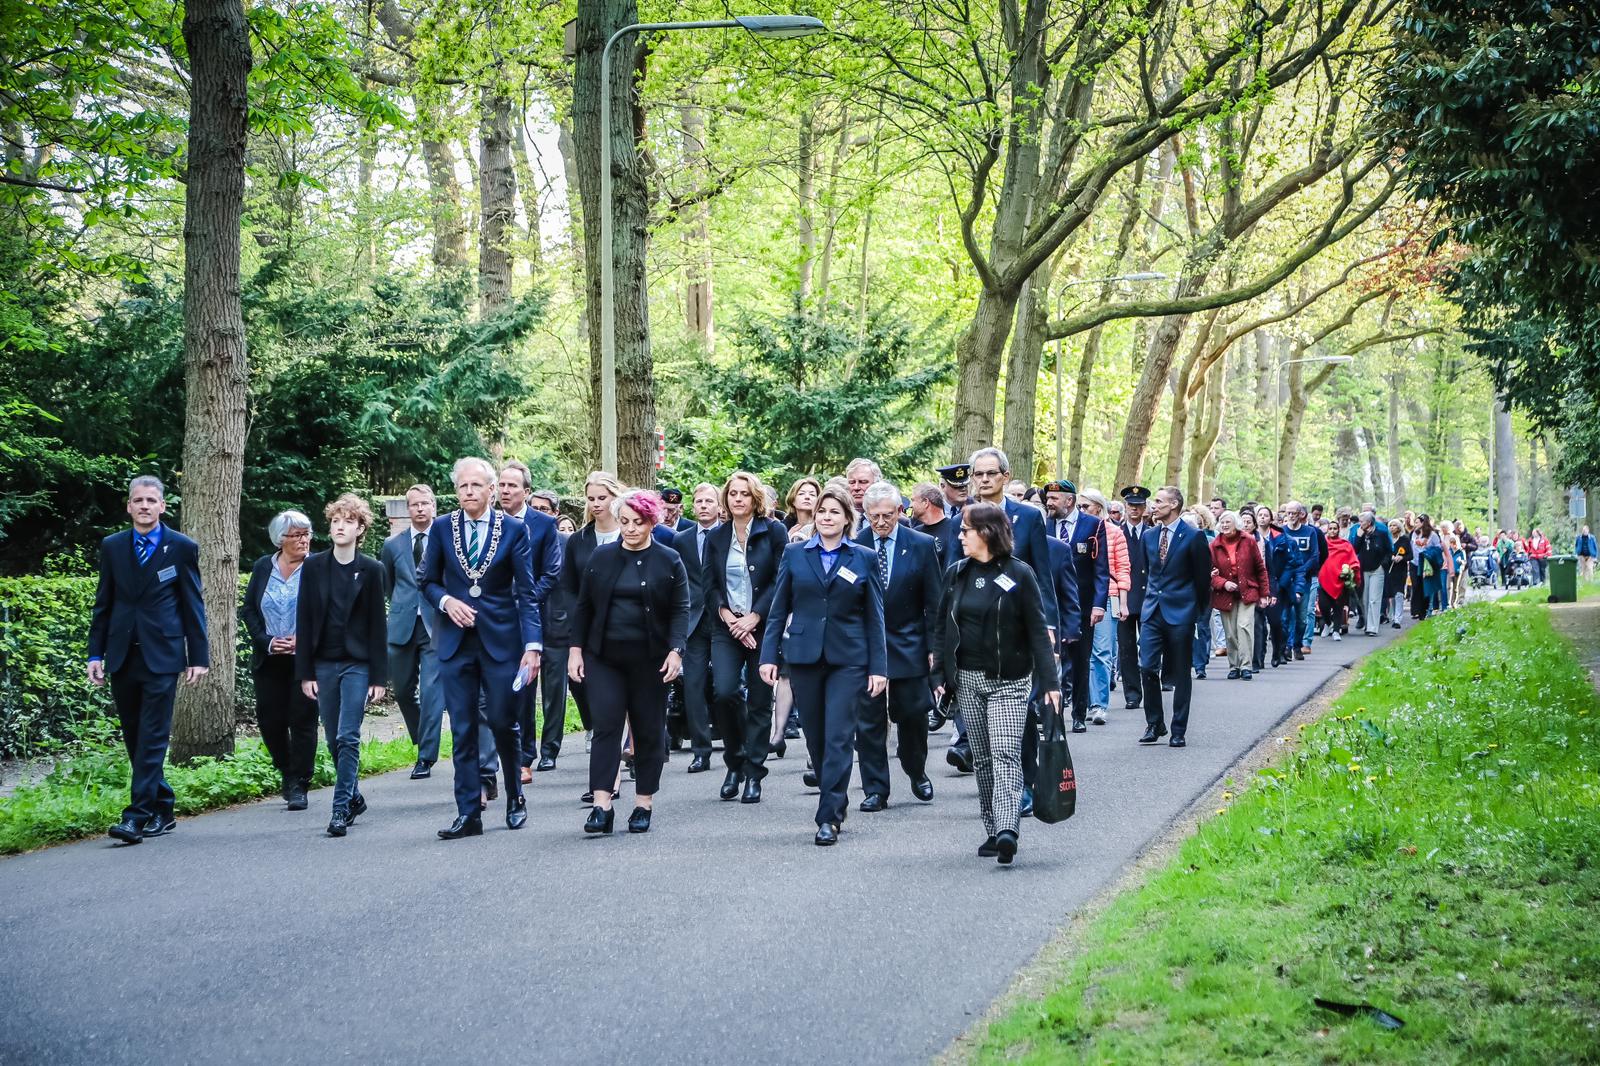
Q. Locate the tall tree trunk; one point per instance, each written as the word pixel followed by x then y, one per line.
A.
pixel 635 381
pixel 1152 380
pixel 1397 474
pixel 806 190
pixel 1374 468
pixel 978 352
pixel 216 370
pixel 1505 467
pixel 1202 449
pixel 831 199
pixel 575 222
pixel 497 201
pixel 697 234
pixel 1080 404
pixel 367 233
pixel 527 189
pixel 1022 375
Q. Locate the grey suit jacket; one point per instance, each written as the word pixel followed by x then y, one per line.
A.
pixel 405 597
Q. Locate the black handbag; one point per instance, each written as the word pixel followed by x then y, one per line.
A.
pixel 1056 796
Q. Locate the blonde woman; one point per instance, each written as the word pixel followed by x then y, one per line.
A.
pixel 600 489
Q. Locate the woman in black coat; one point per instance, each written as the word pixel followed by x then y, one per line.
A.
pixel 630 624
pixel 993 651
pixel 286 717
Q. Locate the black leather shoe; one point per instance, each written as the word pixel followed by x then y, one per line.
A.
pixel 935 720
pixel 730 786
pixel 1132 705
pixel 810 779
pixel 922 788
pixel 781 748
pixel 284 789
pixel 339 824
pixel 159 825
pixel 517 812
pixel 639 820
pixel 959 756
pixel 1005 846
pixel 791 731
pixel 599 821
pixel 358 806
pixel 297 796
pixel 1200 674
pixel 699 764
pixel 1078 726
pixel 127 831
pixel 465 825
pixel 988 849
pixel 546 764
pixel 1245 675
pixel 422 770
pixel 1152 734
pixel 1177 742
pixel 587 797
pixel 1233 675
pixel 491 788
pixel 1025 809
pixel 873 803
pixel 752 791
pixel 827 835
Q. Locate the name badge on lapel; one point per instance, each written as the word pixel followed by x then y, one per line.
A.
pixel 1005 583
pixel 167 574
pixel 1082 546
pixel 848 574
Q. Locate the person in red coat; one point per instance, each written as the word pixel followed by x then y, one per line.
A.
pixel 1238 583
pixel 1338 579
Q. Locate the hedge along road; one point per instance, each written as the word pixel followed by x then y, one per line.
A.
pixel 722 935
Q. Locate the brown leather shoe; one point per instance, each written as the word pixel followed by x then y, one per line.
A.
pixel 527 775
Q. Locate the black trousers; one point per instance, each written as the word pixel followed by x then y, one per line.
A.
pixel 552 704
pixel 1128 657
pixel 1075 671
pixel 144 707
pixel 1161 645
pixel 625 689
pixel 696 687
pixel 1265 616
pixel 829 700
pixel 906 704
pixel 288 719
pixel 742 703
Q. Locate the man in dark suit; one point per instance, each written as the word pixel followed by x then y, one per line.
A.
pixel 908 566
pixel 555 615
pixel 477 572
pixel 412 665
pixel 691 545
pixel 929 516
pixel 1134 500
pixel 515 485
pixel 1085 540
pixel 1178 589
pixel 148 626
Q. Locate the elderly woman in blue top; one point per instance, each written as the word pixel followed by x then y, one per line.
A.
pixel 287 718
pixel 829 592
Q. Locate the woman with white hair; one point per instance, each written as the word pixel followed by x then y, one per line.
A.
pixel 286 717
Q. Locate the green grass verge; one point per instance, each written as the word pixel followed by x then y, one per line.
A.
pixel 1429 846
pixel 1541 593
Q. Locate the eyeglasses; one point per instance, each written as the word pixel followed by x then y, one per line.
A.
pixel 966 529
pixel 296 534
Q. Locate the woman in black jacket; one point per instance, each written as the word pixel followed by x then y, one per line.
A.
pixel 600 491
pixel 341 653
pixel 286 718
pixel 993 650
pixel 629 625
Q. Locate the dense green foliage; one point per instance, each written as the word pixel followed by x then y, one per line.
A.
pixel 1428 847
pixel 1496 104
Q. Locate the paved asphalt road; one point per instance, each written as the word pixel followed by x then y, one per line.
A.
pixel 722 936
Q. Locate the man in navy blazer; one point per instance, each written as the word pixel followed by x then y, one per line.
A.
pixel 690 544
pixel 477 572
pixel 516 485
pixel 1084 536
pixel 148 626
pixel 413 669
pixel 1178 588
pixel 908 566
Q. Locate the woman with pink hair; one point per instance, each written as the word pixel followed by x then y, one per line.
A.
pixel 629 627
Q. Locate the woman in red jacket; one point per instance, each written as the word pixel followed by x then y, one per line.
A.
pixel 1238 583
pixel 1538 548
pixel 1339 577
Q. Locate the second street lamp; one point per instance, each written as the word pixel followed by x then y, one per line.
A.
pixel 772 26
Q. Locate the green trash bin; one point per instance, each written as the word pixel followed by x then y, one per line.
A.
pixel 1563 579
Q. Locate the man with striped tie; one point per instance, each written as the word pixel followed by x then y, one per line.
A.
pixel 148 626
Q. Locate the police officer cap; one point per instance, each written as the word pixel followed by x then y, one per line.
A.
pixel 1136 494
pixel 956 473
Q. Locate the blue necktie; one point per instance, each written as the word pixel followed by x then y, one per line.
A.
pixel 142 545
pixel 472 543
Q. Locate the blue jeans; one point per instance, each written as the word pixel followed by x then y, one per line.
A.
pixel 342 703
pixel 1102 653
pixel 1304 617
pixel 1200 652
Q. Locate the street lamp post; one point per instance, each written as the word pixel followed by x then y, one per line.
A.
pixel 1061 347
pixel 773 26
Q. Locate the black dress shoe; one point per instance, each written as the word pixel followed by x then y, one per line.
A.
pixel 810 779
pixel 1300 654
pixel 1132 705
pixel 422 770
pixel 699 764
pixel 1005 846
pixel 1177 742
pixel 730 786
pixel 1152 734
pixel 339 824
pixel 959 756
pixel 465 825
pixel 873 803
pixel 827 835
pixel 935 720
pixel 517 812
pixel 1233 675
pixel 358 806
pixel 1025 809
pixel 781 748
pixel 988 849
pixel 1200 674
pixel 127 831
pixel 752 791
pixel 546 763
pixel 297 795
pixel 1166 687
pixel 1245 675
pixel 599 821
pixel 791 731
pixel 922 788
pixel 159 825
pixel 491 788
pixel 639 820
pixel 283 789
pixel 1078 726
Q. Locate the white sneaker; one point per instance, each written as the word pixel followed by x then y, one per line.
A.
pixel 1336 636
pixel 1097 715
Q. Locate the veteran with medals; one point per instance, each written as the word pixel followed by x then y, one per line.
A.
pixel 477 570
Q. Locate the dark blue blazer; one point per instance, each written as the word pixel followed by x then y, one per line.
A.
pixel 508 613
pixel 1063 574
pixel 1028 546
pixel 544 545
pixel 158 605
pixel 831 618
pixel 1090 556
pixel 911 602
pixel 763 552
pixel 1138 568
pixel 685 543
pixel 1177 590
pixel 662 533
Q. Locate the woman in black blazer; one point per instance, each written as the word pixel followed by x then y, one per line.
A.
pixel 632 613
pixel 600 491
pixel 341 653
pixel 829 591
pixel 741 568
pixel 286 718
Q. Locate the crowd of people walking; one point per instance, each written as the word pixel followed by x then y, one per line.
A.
pixel 855 607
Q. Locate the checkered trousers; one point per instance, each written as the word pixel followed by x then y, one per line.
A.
pixel 995 712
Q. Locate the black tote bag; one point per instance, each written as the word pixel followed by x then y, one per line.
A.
pixel 1056 797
